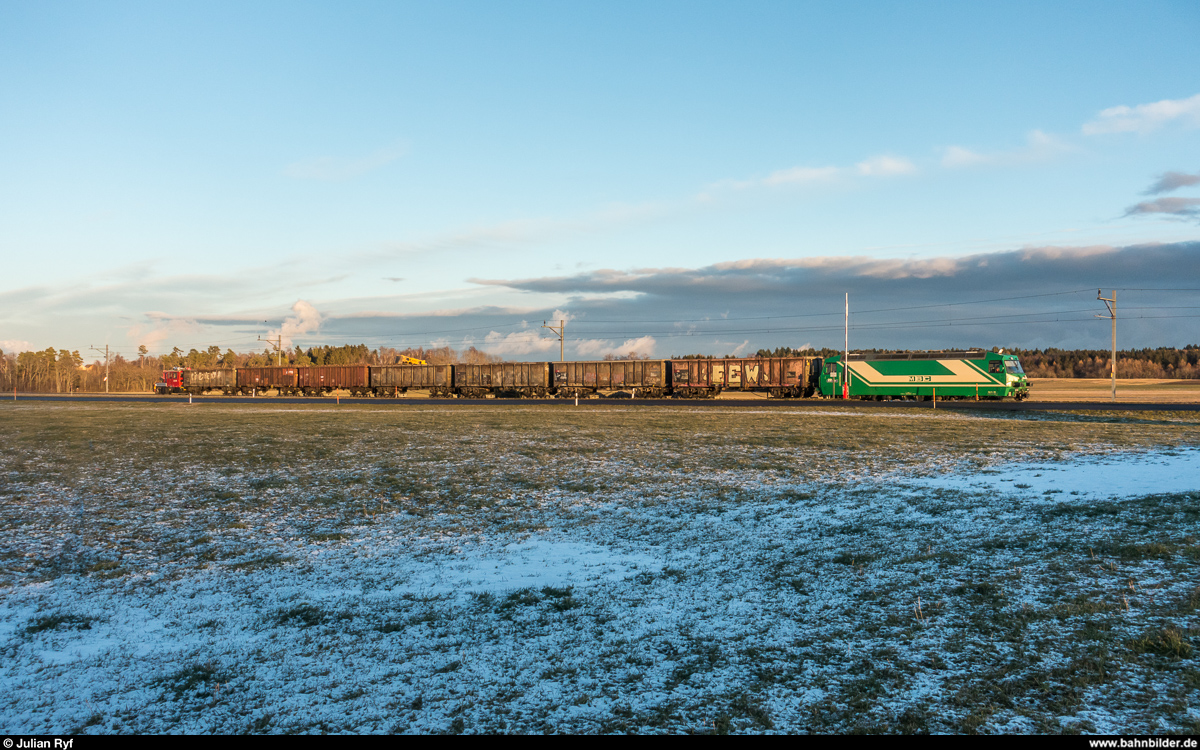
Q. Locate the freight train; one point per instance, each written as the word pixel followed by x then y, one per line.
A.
pixel 960 374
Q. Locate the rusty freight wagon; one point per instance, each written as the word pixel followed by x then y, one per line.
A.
pixel 391 380
pixel 253 379
pixel 202 381
pixel 506 379
pixel 781 377
pixel 327 378
pixel 641 377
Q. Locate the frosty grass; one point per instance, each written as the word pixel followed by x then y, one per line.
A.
pixel 363 568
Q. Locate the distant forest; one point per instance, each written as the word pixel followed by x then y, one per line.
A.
pixel 64 371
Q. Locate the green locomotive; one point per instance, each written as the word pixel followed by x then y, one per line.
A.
pixel 965 374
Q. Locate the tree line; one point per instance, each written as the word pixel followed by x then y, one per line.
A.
pixel 64 371
pixel 1161 363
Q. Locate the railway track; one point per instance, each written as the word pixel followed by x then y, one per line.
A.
pixel 757 403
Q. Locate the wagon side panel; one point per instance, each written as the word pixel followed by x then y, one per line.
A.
pixel 213 379
pixel 267 377
pixel 333 376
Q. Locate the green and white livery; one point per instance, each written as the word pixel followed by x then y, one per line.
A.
pixel 965 374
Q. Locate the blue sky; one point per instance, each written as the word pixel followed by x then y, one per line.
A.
pixel 455 173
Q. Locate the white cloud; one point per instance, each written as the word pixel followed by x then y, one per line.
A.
pixel 12 346
pixel 518 342
pixel 885 166
pixel 876 166
pixel 163 328
pixel 332 169
pixel 1038 146
pixel 305 319
pixel 957 156
pixel 800 175
pixel 643 347
pixel 1144 118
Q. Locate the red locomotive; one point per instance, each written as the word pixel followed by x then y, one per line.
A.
pixel 172 381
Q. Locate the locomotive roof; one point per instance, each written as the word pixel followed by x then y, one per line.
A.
pixel 939 354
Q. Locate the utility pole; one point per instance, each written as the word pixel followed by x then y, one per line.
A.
pixel 278 344
pixel 558 330
pixel 1111 304
pixel 846 353
pixel 105 365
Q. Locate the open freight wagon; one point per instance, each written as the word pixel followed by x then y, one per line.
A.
pixel 640 377
pixel 392 380
pixel 254 379
pixel 781 377
pixel 202 381
pixel 504 379
pixel 318 379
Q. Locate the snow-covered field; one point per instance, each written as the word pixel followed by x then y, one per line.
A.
pixel 540 569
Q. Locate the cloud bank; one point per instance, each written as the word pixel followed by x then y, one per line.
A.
pixel 1013 298
pixel 1033 296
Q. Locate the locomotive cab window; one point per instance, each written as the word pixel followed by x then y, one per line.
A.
pixel 1014 367
pixel 995 366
